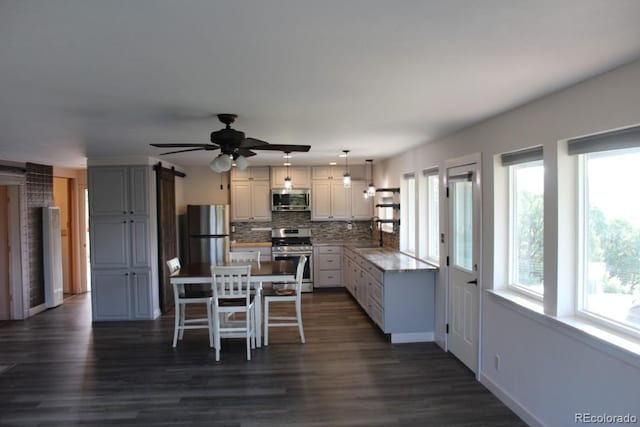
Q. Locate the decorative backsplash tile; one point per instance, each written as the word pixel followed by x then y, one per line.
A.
pixel 323 230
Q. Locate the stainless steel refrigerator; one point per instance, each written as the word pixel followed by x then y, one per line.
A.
pixel 207 233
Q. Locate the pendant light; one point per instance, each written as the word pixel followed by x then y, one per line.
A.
pixel 371 189
pixel 346 178
pixel 287 180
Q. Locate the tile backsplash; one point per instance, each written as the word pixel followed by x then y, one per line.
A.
pixel 321 230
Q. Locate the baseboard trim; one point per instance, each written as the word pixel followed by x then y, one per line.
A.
pixel 407 337
pixel 512 403
pixel 37 309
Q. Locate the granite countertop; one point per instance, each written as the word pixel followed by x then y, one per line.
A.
pixel 250 244
pixel 392 261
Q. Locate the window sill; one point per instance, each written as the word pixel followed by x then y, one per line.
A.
pixel 621 347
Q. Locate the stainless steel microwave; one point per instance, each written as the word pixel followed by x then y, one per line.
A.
pixel 291 200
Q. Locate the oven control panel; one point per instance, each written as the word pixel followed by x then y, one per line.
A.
pixel 292 249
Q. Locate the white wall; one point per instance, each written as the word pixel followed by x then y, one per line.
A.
pixel 201 186
pixel 546 376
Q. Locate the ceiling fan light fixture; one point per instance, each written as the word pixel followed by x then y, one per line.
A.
pixel 222 163
pixel 242 163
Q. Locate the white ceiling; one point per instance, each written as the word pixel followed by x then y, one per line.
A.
pixel 94 78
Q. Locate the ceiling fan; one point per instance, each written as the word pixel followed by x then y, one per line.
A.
pixel 233 145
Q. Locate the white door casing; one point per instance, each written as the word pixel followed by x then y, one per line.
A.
pixel 463 218
pixel 18 270
pixel 5 284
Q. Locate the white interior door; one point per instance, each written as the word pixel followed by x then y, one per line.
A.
pixel 464 245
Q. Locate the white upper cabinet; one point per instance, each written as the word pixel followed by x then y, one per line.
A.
pixel 256 173
pixel 300 176
pixel 361 208
pixel 337 172
pixel 250 201
pixel 330 201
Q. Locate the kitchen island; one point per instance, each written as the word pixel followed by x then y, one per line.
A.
pixel 397 291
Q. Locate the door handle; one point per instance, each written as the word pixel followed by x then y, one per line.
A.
pixel 474 282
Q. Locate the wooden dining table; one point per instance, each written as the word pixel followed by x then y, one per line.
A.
pixel 264 271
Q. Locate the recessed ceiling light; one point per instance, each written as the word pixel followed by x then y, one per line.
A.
pixel 332 163
pixel 287 163
pixel 287 156
pixel 342 155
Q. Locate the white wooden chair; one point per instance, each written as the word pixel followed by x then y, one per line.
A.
pixel 290 294
pixel 243 257
pixel 232 295
pixel 240 257
pixel 181 301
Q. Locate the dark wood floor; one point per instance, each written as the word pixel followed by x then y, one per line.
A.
pixel 58 369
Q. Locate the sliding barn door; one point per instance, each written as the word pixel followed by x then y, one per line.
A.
pixel 167 240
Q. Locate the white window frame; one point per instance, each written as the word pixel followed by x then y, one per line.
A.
pixel 581 253
pixel 511 251
pixel 408 215
pixel 426 201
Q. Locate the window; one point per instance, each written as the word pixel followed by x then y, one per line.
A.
pixel 526 221
pixel 429 218
pixel 408 214
pixel 609 289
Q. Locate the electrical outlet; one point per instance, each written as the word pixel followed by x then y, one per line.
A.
pixel 496 362
pixel 233 228
pixel 349 226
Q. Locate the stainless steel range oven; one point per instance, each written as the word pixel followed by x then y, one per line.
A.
pixel 292 243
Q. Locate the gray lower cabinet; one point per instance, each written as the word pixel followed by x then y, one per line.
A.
pixel 401 303
pixel 122 239
pixel 121 294
pixel 327 267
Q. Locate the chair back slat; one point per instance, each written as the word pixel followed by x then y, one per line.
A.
pixel 232 282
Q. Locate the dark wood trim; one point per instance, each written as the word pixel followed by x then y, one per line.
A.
pixel 171 170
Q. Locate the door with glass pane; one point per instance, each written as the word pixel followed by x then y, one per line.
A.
pixel 464 244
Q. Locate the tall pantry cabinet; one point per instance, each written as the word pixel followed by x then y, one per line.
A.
pixel 123 243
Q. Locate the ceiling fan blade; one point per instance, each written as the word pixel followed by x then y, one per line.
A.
pixel 205 146
pixel 286 148
pixel 184 151
pixel 253 142
pixel 246 153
